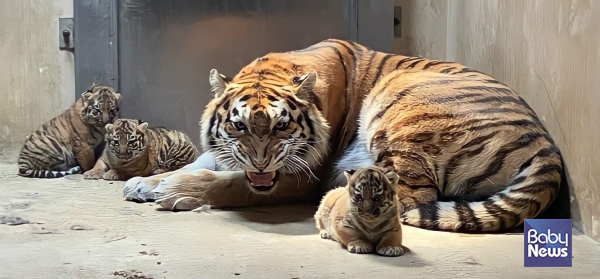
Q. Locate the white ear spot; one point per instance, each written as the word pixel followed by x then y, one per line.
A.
pixel 143 127
pixel 217 82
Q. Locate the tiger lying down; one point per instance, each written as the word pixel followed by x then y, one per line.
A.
pixel 470 154
pixel 67 144
pixel 133 149
pixel 363 216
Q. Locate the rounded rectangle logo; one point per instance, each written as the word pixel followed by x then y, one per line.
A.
pixel 548 243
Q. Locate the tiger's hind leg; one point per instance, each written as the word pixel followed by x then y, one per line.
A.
pixel 53 163
pixel 417 184
pixel 84 154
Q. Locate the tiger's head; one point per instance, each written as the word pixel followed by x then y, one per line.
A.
pixel 265 121
pixel 100 106
pixel 126 138
pixel 372 191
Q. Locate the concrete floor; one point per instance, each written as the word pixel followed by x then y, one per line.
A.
pixel 84 229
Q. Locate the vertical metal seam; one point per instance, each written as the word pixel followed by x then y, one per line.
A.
pixel 114 43
pixel 354 20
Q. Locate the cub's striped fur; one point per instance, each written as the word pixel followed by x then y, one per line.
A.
pixel 133 149
pixel 65 145
pixel 363 214
pixel 451 133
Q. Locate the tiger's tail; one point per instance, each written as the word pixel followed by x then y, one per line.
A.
pixel 26 172
pixel 530 192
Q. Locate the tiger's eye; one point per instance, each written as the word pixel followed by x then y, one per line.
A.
pixel 240 126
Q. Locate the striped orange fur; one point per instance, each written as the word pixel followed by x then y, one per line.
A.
pixel 133 149
pixel 66 144
pixel 461 141
pixel 363 215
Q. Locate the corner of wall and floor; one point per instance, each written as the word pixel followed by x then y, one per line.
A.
pixel 547 51
pixel 37 79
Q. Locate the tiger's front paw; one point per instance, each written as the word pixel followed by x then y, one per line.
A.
pixel 139 189
pixel 390 251
pixel 93 174
pixel 111 175
pixel 359 247
pixel 324 234
pixel 185 191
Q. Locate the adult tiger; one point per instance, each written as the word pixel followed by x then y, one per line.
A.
pixel 471 154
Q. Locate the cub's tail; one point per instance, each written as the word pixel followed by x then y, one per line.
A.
pixel 531 191
pixel 26 172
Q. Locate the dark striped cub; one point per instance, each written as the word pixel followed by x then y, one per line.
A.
pixel 363 214
pixel 65 145
pixel 133 149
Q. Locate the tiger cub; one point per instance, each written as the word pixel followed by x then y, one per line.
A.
pixel 364 213
pixel 133 149
pixel 65 145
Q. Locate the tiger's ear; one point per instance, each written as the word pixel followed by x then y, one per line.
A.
pixel 218 82
pixel 86 95
pixel 305 85
pixel 118 98
pixel 348 174
pixel 393 177
pixel 143 127
pixel 108 127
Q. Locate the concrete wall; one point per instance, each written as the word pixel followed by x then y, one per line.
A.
pixel 548 51
pixel 37 80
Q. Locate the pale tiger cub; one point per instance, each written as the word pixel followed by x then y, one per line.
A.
pixel 133 149
pixel 364 213
pixel 66 144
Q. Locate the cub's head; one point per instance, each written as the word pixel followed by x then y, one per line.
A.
pixel 100 106
pixel 372 191
pixel 126 138
pixel 265 121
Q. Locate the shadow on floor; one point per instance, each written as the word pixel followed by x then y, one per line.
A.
pixel 297 219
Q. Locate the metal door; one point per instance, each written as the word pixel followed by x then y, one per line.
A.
pixel 158 53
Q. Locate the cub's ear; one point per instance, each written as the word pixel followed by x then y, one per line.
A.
pixel 393 177
pixel 143 127
pixel 218 82
pixel 108 127
pixel 118 98
pixel 348 174
pixel 86 95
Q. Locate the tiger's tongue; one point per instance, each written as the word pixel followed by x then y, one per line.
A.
pixel 265 179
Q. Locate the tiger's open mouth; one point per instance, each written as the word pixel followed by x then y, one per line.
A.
pixel 262 182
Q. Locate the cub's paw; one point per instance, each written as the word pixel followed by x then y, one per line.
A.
pixel 93 174
pixel 360 247
pixel 390 251
pixel 185 191
pixel 139 189
pixel 324 234
pixel 110 175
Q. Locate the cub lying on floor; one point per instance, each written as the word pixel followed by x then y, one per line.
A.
pixel 65 145
pixel 133 149
pixel 364 213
